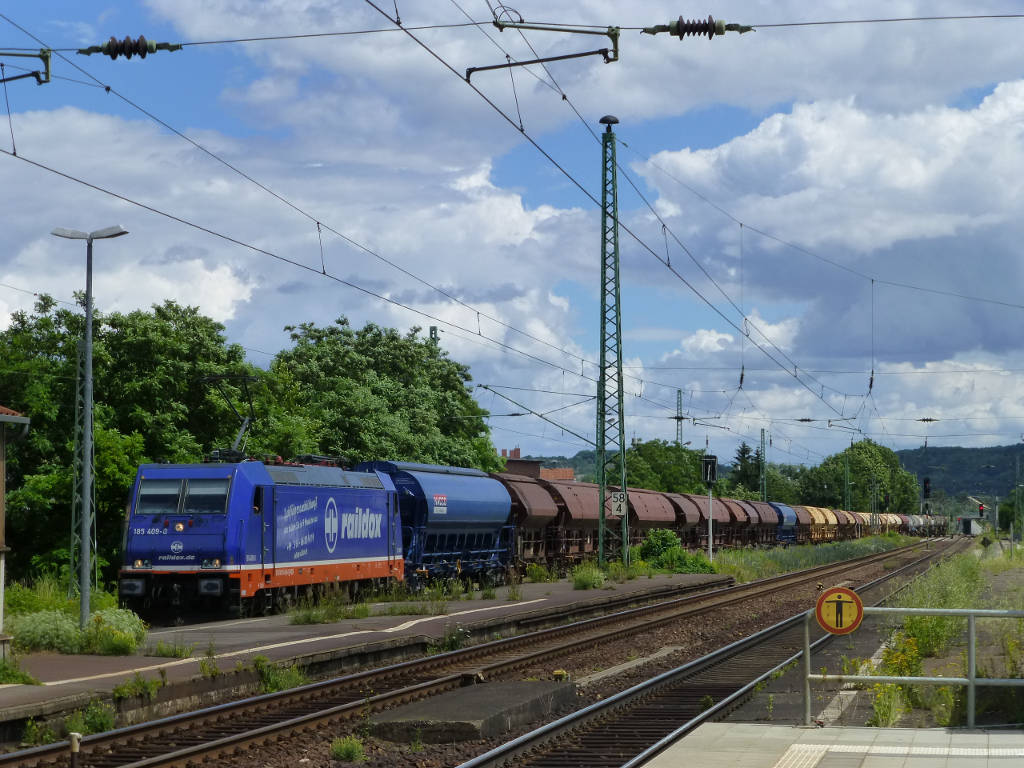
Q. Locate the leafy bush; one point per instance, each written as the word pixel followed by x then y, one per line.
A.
pixel 113 632
pixel 587 576
pixel 95 718
pixel 12 673
pixel 49 592
pixel 51 630
pixel 348 749
pixel 658 541
pixel 679 560
pixel 37 733
pixel 538 574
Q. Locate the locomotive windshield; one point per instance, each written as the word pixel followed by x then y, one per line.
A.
pixel 206 497
pixel 158 497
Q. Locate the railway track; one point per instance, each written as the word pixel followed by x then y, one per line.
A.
pixel 226 729
pixel 628 729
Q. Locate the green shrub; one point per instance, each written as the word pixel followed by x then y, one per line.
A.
pixel 12 673
pixel 348 749
pixel 587 576
pixel 95 718
pixel 679 560
pixel 137 685
pixel 37 733
pixel 113 632
pixel 538 574
pixel 955 583
pixel 887 706
pixel 487 593
pixel 274 677
pixel 49 592
pixel 657 543
pixel 50 630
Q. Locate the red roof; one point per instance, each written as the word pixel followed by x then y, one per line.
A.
pixel 4 411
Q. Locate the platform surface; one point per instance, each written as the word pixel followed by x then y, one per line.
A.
pixel 749 745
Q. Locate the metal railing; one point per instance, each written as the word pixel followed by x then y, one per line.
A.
pixel 972 681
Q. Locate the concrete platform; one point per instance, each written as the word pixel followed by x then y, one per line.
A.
pixel 474 712
pixel 70 682
pixel 748 745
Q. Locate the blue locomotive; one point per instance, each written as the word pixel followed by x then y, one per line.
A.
pixel 249 537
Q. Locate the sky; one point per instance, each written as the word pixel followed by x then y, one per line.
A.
pixel 820 224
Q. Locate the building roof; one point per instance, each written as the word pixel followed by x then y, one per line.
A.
pixel 11 417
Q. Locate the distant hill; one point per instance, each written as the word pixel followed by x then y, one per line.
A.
pixel 963 471
pixel 987 472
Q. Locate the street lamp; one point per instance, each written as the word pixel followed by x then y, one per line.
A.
pixel 85 532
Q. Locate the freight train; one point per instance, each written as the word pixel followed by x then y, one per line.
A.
pixel 250 537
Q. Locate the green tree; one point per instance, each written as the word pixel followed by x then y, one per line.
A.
pixel 663 466
pixel 746 468
pixel 376 394
pixel 874 472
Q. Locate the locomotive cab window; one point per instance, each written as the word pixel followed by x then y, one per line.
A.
pixel 206 497
pixel 158 497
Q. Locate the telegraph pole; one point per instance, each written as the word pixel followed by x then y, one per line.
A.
pixel 611 428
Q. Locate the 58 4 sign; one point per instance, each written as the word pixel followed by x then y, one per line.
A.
pixel 619 503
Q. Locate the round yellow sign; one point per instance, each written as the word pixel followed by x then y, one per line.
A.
pixel 839 610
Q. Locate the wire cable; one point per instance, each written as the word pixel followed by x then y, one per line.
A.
pixel 309 216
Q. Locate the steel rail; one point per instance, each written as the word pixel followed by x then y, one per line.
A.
pixel 409 673
pixel 603 711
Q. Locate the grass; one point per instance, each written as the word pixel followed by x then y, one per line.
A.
pixel 137 686
pixel 587 576
pixel 12 673
pixel 538 574
pixel 176 649
pixel 348 749
pixel 49 592
pixel 328 611
pixel 955 583
pixel 751 564
pixel 97 717
pixel 454 639
pixel 274 677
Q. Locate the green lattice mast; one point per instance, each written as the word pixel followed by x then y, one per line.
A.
pixel 611 428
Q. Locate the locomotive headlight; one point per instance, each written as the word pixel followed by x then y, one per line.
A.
pixel 143 564
pixel 179 527
pixel 212 563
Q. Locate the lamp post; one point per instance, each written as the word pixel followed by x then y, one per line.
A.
pixel 85 536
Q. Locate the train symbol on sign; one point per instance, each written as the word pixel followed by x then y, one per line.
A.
pixel 618 503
